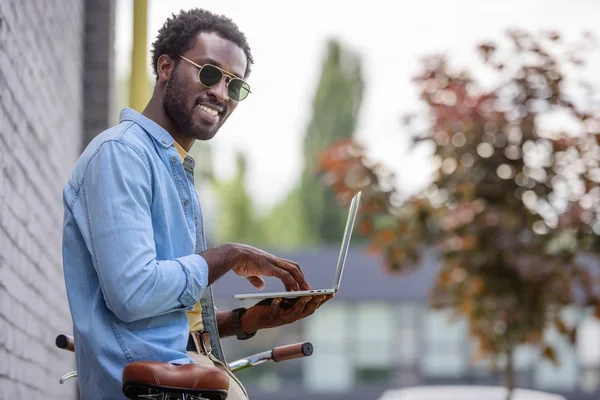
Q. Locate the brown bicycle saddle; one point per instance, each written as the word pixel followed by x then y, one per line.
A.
pixel 143 378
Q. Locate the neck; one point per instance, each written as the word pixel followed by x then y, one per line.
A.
pixel 156 112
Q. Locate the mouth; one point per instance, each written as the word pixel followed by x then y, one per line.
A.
pixel 210 112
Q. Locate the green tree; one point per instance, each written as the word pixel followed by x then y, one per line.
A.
pixel 512 207
pixel 237 220
pixel 285 226
pixel 335 111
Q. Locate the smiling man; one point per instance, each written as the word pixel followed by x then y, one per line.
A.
pixel 137 270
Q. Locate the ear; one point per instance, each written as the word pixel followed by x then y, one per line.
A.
pixel 165 66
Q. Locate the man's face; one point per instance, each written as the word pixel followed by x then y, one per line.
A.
pixel 192 106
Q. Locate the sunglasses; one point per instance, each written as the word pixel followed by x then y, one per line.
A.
pixel 211 75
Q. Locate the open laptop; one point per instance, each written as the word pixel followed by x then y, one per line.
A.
pixel 338 272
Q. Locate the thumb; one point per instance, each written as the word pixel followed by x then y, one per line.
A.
pixel 256 281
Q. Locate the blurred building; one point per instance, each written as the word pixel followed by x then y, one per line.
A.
pixel 55 79
pixel 379 333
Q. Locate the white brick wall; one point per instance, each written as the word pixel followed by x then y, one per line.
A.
pixel 41 124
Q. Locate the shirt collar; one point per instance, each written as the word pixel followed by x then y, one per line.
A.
pixel 155 130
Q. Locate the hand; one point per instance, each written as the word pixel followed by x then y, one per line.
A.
pixel 271 313
pixel 252 263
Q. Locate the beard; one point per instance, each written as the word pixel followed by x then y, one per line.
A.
pixel 175 105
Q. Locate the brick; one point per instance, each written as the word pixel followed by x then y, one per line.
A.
pixel 5 304
pixel 3 361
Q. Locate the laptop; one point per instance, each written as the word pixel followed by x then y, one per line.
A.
pixel 338 272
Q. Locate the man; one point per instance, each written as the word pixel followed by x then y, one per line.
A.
pixel 137 269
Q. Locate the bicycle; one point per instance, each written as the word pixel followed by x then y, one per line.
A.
pixel 144 380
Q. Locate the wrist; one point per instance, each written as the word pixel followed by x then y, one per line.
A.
pixel 218 255
pixel 246 323
pixel 220 259
pixel 236 324
pixel 232 253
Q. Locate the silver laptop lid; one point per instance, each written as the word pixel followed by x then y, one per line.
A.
pixel 352 212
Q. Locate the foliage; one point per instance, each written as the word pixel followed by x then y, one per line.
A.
pixel 285 226
pixel 336 104
pixel 514 201
pixel 237 220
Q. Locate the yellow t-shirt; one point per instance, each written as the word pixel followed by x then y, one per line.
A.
pixel 195 315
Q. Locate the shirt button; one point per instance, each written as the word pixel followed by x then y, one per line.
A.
pixel 186 203
pixel 164 142
pixel 173 159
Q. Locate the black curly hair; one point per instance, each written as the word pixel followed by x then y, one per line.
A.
pixel 175 36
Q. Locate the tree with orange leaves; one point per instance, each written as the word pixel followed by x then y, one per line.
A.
pixel 513 204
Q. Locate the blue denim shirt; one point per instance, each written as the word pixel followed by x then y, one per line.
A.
pixel 131 241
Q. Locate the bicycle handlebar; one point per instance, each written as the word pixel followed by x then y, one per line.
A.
pixel 65 342
pixel 277 354
pixel 292 351
pixel 281 353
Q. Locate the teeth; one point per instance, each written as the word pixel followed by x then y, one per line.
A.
pixel 209 111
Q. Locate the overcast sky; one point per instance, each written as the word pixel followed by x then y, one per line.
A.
pixel 287 40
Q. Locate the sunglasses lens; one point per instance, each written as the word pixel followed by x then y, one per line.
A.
pixel 238 89
pixel 210 76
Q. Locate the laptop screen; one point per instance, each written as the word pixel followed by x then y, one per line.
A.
pixel 346 240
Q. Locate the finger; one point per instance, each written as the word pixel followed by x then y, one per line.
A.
pixel 257 282
pixel 305 286
pixel 325 300
pixel 274 309
pixel 328 297
pixel 292 263
pixel 294 270
pixel 318 299
pixel 288 280
pixel 312 305
pixel 321 300
pixel 265 302
pixel 301 305
pixel 287 304
pixel 310 308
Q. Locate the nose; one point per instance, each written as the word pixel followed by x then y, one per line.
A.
pixel 219 92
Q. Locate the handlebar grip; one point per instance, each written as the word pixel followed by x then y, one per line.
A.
pixel 292 351
pixel 65 342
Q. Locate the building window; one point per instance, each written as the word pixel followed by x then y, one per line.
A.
pixel 563 376
pixel 374 340
pixel 330 367
pixel 444 346
pixel 405 349
pixel 588 354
